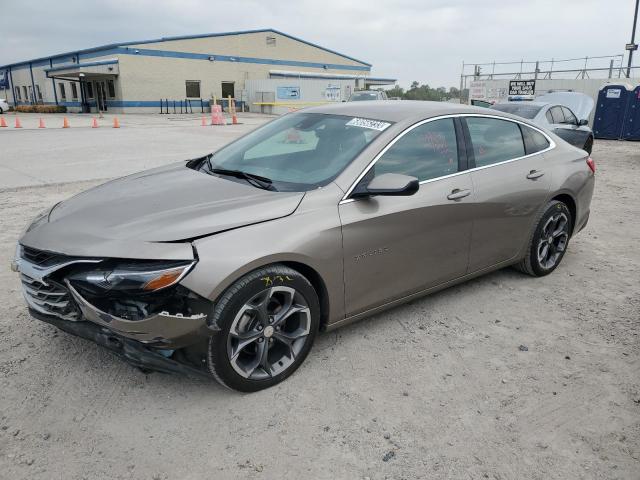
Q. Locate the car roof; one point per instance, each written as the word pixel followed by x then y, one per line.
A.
pixel 398 111
pixel 526 103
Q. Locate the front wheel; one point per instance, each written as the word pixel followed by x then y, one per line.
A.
pixel 588 145
pixel 268 319
pixel 549 241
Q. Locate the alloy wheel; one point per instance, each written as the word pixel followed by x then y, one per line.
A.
pixel 553 240
pixel 268 332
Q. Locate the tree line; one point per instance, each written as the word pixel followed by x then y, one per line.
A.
pixel 425 92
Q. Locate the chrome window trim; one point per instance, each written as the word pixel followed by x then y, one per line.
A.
pixel 552 145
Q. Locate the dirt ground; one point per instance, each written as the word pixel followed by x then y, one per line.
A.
pixel 438 388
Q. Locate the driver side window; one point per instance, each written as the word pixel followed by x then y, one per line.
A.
pixel 426 152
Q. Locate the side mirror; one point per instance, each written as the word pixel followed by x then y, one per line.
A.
pixel 391 184
pixel 583 122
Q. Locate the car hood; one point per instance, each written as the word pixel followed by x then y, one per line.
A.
pixel 167 204
pixel 579 103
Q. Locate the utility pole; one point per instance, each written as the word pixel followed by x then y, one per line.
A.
pixel 632 46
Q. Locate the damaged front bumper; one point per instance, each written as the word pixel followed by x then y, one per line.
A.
pixel 159 329
pixel 132 351
pixel 148 342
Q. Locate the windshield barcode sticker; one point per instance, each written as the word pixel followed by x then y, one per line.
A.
pixel 366 123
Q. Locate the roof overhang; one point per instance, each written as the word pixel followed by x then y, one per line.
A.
pixel 107 67
pixel 331 76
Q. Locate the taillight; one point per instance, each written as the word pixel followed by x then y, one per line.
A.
pixel 591 164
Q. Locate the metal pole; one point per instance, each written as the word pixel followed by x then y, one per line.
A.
pixel 633 38
pixel 461 78
pixel 610 69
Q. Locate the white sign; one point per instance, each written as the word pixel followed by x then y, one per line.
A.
pixel 477 89
pixel 614 93
pixel 522 87
pixel 367 123
pixel 332 93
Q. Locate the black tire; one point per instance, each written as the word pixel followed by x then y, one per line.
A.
pixel 532 263
pixel 588 145
pixel 227 314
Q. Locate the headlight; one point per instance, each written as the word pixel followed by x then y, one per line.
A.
pixel 132 277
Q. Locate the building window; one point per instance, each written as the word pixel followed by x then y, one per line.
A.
pixel 26 95
pixel 111 88
pixel 18 98
pixel 63 93
pixel 271 41
pixel 74 91
pixel 31 99
pixel 193 88
pixel 89 90
pixel 39 93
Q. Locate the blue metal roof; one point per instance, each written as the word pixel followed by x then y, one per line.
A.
pixel 184 37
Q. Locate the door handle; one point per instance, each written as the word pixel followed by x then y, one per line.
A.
pixel 533 174
pixel 457 194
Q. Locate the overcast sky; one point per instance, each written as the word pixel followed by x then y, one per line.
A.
pixel 423 40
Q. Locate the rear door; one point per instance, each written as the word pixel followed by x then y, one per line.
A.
pixel 396 246
pixel 565 125
pixel 510 182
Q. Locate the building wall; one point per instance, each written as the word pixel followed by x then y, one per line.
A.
pixel 148 79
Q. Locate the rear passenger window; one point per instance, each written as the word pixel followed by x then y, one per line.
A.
pixel 426 152
pixel 494 140
pixel 534 141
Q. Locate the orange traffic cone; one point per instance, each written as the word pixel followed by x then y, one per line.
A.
pixel 41 124
pixel 3 122
pixel 116 123
pixel 94 124
pixel 18 124
pixel 65 123
pixel 204 121
pixel 234 119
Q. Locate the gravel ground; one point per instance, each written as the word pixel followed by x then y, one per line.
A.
pixel 504 377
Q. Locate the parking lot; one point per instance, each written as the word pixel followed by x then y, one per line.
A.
pixel 504 377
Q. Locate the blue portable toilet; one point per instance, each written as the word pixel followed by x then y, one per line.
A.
pixel 631 129
pixel 610 111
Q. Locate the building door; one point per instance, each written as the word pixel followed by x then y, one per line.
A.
pixel 228 91
pixel 101 96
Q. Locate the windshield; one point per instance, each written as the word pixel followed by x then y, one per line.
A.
pixel 297 152
pixel 521 109
pixel 356 97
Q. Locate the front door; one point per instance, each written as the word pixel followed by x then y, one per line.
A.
pixel 227 91
pixel 396 246
pixel 101 95
pixel 511 183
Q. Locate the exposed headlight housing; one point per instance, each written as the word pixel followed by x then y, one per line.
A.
pixel 131 277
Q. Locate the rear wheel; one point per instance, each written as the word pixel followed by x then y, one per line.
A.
pixel 588 145
pixel 549 241
pixel 268 319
